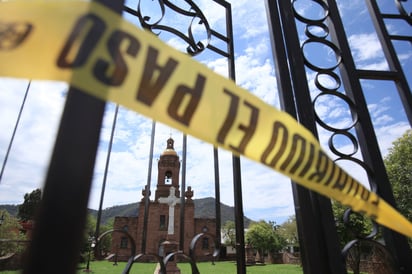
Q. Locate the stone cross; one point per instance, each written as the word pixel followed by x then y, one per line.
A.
pixel 171 200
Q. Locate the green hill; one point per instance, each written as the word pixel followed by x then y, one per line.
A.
pixel 11 209
pixel 204 208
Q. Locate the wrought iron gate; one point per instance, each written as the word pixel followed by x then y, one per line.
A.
pixel 69 176
pixel 318 241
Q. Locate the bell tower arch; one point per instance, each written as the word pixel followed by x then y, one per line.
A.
pixel 168 172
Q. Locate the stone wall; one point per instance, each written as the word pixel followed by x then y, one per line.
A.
pixel 291 258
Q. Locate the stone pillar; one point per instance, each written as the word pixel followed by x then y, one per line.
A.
pixel 168 247
pixel 250 258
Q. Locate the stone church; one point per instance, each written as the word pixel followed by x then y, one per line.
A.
pixel 164 217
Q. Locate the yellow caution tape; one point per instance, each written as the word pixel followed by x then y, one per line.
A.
pixel 121 63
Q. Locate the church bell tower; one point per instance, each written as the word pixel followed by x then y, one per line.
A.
pixel 168 172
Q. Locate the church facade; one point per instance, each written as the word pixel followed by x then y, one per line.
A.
pixel 163 213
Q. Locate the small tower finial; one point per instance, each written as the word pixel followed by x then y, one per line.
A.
pixel 170 142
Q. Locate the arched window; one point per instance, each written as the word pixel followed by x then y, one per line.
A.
pixel 168 177
pixel 205 243
pixel 162 221
pixel 123 242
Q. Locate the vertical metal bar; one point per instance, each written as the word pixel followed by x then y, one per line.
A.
pixel 284 83
pixel 147 189
pixel 106 170
pixel 317 234
pixel 287 102
pixel 396 243
pixel 217 198
pixel 60 222
pixel 182 195
pixel 240 237
pixel 226 5
pixel 14 131
pixel 237 181
pixel 320 240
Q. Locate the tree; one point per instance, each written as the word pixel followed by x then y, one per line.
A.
pixel 265 237
pixel 28 209
pixel 10 232
pixel 289 231
pixel 398 164
pixel 89 233
pixel 229 233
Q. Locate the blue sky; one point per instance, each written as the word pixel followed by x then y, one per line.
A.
pixel 267 194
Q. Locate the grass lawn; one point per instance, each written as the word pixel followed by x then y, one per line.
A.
pixel 104 267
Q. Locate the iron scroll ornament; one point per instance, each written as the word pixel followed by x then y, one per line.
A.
pixel 192 256
pixel 197 17
pixel 163 261
pixel 133 257
pixel 364 252
pixel 133 246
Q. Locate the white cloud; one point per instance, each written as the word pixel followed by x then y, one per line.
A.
pixel 389 133
pixel 367 51
pixel 249 18
pixel 354 11
pixel 257 75
pixel 405 57
pixel 366 46
pixel 34 140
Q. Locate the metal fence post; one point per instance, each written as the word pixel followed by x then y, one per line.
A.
pixel 60 222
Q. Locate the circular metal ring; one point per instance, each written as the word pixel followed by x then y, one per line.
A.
pixel 326 43
pixel 331 75
pixel 350 137
pixel 306 20
pixel 346 99
pixel 321 25
pixel 363 165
